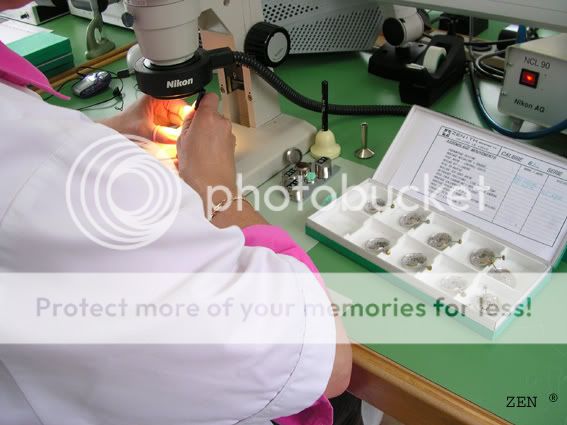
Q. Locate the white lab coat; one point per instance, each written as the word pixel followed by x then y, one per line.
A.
pixel 124 384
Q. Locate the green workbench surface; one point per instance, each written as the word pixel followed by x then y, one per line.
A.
pixel 76 29
pixel 485 374
pixel 482 374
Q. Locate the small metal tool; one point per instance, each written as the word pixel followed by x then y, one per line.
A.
pixel 303 168
pixel 296 191
pixel 292 156
pixel 325 108
pixel 289 175
pixel 324 168
pixel 364 152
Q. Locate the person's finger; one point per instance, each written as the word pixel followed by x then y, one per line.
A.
pixel 190 114
pixel 209 102
pixel 186 111
pixel 164 134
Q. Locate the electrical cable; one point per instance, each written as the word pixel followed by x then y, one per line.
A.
pixel 117 93
pixel 289 93
pixel 479 43
pixel 478 65
pixel 491 68
pixel 62 85
pixel 487 70
pixel 488 43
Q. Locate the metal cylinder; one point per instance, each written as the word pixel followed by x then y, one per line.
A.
pixel 364 134
pixel 324 168
pixel 296 191
pixel 289 175
pixel 303 168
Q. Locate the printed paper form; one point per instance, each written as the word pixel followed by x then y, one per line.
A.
pixel 516 194
pixel 11 31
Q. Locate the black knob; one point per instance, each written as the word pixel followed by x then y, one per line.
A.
pixel 394 31
pixel 127 19
pixel 269 43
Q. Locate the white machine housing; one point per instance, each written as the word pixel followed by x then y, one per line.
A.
pixel 542 102
pixel 549 14
pixel 112 14
pixel 33 14
pixel 318 26
pixel 315 26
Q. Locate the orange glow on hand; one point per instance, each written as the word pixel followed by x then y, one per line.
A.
pixel 186 111
pixel 166 134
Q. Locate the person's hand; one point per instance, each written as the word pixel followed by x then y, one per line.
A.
pixel 154 119
pixel 205 152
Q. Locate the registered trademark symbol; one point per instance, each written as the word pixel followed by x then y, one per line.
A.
pixel 553 397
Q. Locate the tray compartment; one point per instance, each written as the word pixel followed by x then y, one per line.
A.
pixel 373 228
pixel 407 245
pixel 473 241
pixel 438 224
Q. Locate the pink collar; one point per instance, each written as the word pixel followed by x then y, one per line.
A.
pixel 17 70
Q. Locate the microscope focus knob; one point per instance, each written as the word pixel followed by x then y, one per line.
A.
pixel 127 20
pixel 269 43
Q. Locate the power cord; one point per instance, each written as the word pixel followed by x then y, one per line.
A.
pixel 487 70
pixel 63 85
pixel 116 94
pixel 479 43
pixel 313 105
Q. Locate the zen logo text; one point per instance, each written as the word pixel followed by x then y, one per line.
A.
pixel 521 401
pixel 179 83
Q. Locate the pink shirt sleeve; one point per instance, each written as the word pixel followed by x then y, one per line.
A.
pixel 279 241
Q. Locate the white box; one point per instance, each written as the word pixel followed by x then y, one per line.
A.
pixel 545 61
pixel 522 216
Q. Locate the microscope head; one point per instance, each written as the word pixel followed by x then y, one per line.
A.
pixel 172 65
pixel 167 30
pixel 184 79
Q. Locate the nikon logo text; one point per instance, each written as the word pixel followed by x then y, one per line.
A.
pixel 179 83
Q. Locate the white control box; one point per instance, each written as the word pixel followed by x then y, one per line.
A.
pixel 33 14
pixel 112 15
pixel 535 84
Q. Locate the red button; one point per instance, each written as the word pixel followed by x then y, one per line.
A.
pixel 529 78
